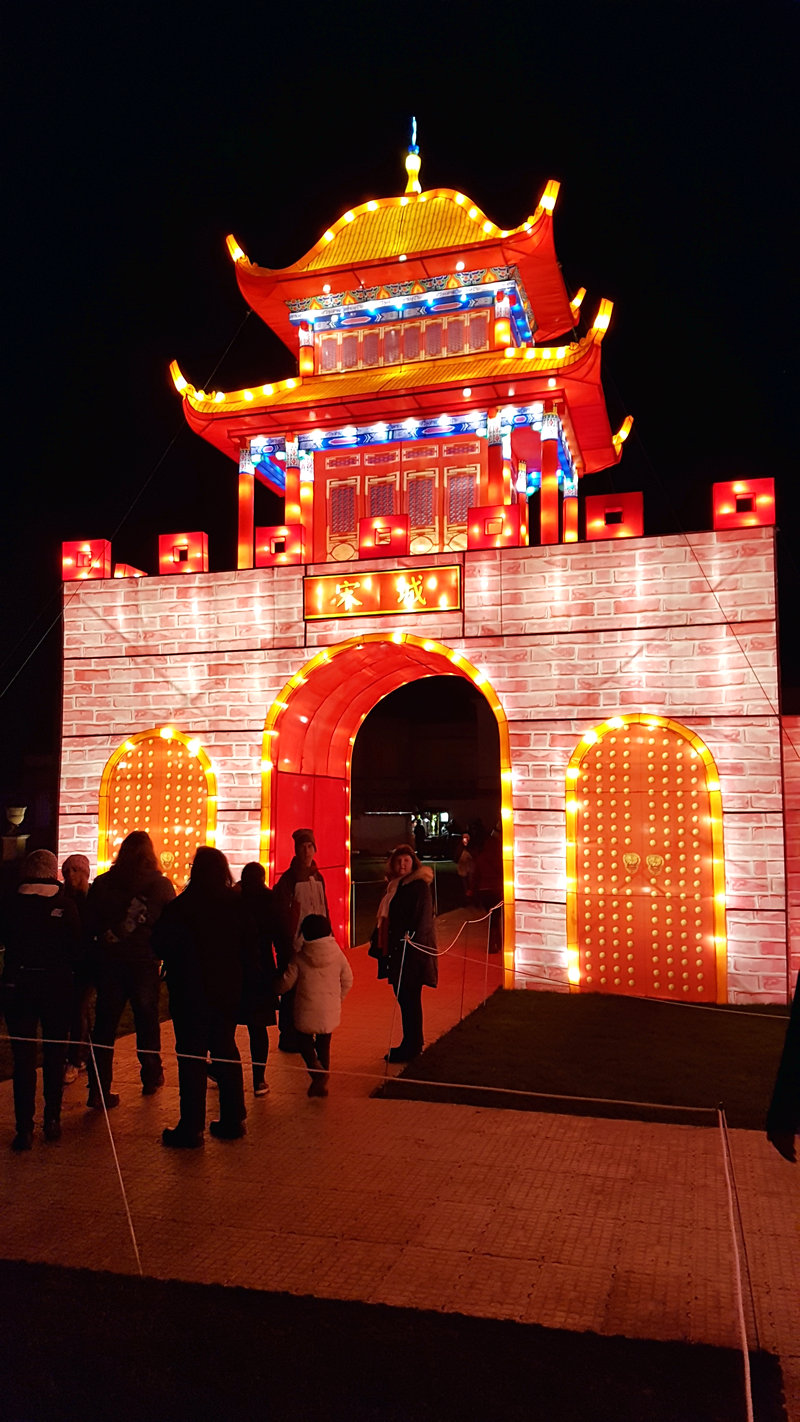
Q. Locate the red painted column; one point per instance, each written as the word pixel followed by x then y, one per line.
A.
pixel 247 495
pixel 571 520
pixel 494 472
pixel 306 353
pixel 549 495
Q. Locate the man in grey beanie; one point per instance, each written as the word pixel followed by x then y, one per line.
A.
pixel 40 930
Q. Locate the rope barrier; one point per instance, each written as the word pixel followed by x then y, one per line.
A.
pixel 123 1191
pixel 440 952
pixel 245 1060
pixel 727 1163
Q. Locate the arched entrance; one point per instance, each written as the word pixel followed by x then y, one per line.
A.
pixel 308 741
pixel 645 864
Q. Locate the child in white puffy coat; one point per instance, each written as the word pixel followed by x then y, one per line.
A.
pixel 323 976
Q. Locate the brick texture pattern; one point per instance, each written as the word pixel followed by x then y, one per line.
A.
pixel 567 636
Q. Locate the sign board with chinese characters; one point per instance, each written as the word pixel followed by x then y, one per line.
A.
pixel 376 594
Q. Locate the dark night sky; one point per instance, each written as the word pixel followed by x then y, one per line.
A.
pixel 137 137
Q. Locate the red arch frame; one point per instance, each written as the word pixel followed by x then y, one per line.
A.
pixel 308 741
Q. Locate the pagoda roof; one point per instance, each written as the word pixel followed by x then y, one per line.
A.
pixel 568 377
pixel 408 238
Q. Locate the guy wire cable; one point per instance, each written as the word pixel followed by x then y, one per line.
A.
pixel 180 429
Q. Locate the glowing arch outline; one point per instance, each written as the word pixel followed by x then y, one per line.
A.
pixel 164 733
pixel 590 738
pixel 468 672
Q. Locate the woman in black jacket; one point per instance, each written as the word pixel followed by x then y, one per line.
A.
pixel 274 948
pixel 407 909
pixel 122 910
pixel 208 947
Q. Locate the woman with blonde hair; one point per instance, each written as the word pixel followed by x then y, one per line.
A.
pixel 405 920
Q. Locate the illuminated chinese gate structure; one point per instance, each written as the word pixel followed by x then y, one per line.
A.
pixel 430 450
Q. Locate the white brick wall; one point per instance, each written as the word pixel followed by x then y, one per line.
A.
pixel 567 636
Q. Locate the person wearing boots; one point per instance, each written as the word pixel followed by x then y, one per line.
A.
pixel 299 892
pixel 406 909
pixel 123 908
pixel 274 952
pixel 40 930
pixel 75 872
pixel 208 943
pixel 320 976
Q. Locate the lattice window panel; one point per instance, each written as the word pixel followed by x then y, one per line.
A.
pixel 342 508
pixel 433 338
pixel 381 497
pixel 349 352
pixel 420 451
pixel 391 346
pixel 455 336
pixel 462 448
pixel 479 332
pixel 370 348
pixel 411 348
pixel 329 354
pixel 390 457
pixel 421 501
pixel 460 497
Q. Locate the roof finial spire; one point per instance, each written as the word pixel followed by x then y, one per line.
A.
pixel 413 161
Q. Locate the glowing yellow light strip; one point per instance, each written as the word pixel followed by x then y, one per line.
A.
pixel 282 705
pixel 166 733
pixel 590 738
pixel 602 320
pixel 544 208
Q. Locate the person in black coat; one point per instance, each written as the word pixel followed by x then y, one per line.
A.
pixel 208 945
pixel 407 908
pixel 76 872
pixel 122 909
pixel 40 930
pixel 783 1117
pixel 258 1009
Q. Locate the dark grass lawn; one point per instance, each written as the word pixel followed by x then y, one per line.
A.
pixel 100 1346
pixel 593 1045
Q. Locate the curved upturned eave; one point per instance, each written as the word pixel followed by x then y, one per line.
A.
pixel 387 228
pixel 530 247
pixel 365 397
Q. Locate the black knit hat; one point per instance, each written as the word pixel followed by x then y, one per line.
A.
pixel 315 925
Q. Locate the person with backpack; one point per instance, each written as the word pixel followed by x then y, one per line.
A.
pixel 123 907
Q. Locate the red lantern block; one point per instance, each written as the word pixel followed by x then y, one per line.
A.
pixel 183 553
pixel 744 502
pixel 280 543
pixel 88 559
pixel 384 535
pixel 126 570
pixel 614 515
pixel 497 526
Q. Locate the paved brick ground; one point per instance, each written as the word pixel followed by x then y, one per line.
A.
pixel 615 1226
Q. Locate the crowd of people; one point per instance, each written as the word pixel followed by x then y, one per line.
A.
pixel 231 954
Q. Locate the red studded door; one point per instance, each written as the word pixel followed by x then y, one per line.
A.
pixel 645 866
